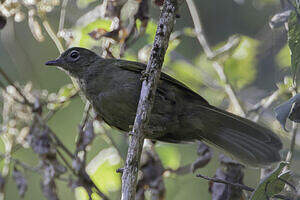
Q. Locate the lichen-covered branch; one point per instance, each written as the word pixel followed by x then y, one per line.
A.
pixel 149 85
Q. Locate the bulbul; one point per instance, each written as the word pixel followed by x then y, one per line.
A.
pixel 113 86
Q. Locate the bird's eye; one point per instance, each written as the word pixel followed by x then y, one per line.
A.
pixel 74 55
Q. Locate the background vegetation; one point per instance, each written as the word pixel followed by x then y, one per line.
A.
pixel 257 67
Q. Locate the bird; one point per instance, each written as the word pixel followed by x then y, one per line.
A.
pixel 179 114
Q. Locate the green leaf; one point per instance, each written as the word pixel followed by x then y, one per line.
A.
pixel 82 38
pixel 277 185
pixel 283 58
pixel 169 155
pixel 102 170
pixel 81 194
pixel 150 31
pixel 294 42
pixel 240 67
pixel 270 185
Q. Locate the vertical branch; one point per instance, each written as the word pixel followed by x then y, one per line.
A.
pixel 149 85
pixel 209 53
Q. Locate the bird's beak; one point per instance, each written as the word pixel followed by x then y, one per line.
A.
pixel 56 62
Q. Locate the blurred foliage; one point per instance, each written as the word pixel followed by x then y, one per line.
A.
pixel 283 58
pixel 184 60
pixel 62 98
pixel 169 155
pixel 82 37
pixel 84 3
pixel 240 67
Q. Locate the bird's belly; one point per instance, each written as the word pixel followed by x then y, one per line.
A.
pixel 118 109
pixel 114 111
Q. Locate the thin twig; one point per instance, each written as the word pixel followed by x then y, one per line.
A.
pixel 66 162
pixel 85 115
pixel 10 95
pixel 60 144
pixel 289 184
pixel 81 128
pixel 52 35
pixel 265 102
pixel 209 53
pixel 22 164
pixel 290 154
pixel 231 44
pixel 114 144
pixel 51 113
pixel 62 16
pixel 294 131
pixel 101 194
pixel 2 86
pixel 149 85
pixel 217 180
pixel 26 101
pixel 261 106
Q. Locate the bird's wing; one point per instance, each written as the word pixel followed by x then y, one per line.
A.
pixel 139 67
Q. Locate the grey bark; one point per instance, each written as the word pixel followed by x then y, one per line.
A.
pixel 149 85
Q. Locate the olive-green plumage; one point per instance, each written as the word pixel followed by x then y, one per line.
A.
pixel 179 115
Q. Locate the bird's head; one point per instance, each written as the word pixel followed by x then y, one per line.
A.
pixel 74 60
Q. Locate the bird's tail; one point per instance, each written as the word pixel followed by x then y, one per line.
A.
pixel 249 142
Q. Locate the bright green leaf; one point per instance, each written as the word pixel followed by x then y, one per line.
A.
pixel 81 194
pixel 102 170
pixel 283 58
pixel 150 31
pixel 270 180
pixel 95 196
pixel 82 38
pixel 240 67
